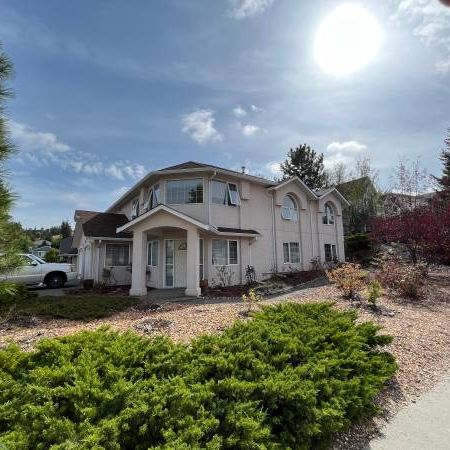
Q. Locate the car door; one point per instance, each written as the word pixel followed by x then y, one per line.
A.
pixel 29 273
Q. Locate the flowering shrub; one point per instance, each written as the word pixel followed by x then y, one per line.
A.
pixel 289 378
pixel 251 299
pixel 403 278
pixel 349 278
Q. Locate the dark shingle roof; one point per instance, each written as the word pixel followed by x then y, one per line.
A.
pixel 235 230
pixel 105 225
pixel 187 165
pixel 65 245
pixel 83 216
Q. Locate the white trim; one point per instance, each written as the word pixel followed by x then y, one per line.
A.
pixel 299 181
pixel 238 251
pixel 333 190
pixel 99 238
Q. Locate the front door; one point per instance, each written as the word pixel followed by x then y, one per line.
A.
pixel 180 262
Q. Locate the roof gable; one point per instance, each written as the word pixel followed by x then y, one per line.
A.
pixel 105 225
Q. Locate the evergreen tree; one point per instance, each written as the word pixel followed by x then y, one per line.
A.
pixel 66 229
pixel 444 180
pixel 306 164
pixel 11 237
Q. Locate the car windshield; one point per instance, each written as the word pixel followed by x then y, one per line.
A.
pixel 39 260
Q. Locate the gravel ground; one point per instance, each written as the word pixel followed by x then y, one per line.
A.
pixel 421 331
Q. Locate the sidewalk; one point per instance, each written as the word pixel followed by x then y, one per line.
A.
pixel 424 425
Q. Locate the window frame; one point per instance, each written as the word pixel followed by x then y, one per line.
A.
pixel 227 257
pixel 167 183
pixel 333 253
pixel 289 245
pixel 116 244
pixel 135 208
pixel 328 218
pixel 292 212
pixel 150 245
pixel 231 196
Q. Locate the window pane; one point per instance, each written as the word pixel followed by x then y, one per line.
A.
pixel 233 252
pixel 117 255
pixel 289 210
pixel 184 191
pixel 295 252
pixel 156 196
pixel 286 252
pixel 135 208
pixel 149 253
pixel 327 252
pixel 233 194
pixel 219 192
pixel 285 213
pixel 219 252
pixel 201 271
pixel 155 253
pixel 333 252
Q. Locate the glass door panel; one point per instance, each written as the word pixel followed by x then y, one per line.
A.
pixel 169 263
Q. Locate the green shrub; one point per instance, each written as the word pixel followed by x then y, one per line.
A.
pixel 288 378
pixel 52 256
pixel 373 292
pixel 357 242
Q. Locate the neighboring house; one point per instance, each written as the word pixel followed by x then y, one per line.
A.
pixel 67 253
pixel 395 203
pixel 188 222
pixel 40 248
pixel 365 204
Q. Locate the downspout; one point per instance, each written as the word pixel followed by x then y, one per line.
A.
pixel 274 236
pixel 311 227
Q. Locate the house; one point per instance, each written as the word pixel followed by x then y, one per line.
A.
pixel 40 248
pixel 365 204
pixel 67 253
pixel 395 202
pixel 194 221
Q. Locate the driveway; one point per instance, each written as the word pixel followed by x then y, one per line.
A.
pixel 43 291
pixel 422 425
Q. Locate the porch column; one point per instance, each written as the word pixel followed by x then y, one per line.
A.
pixel 139 264
pixel 193 261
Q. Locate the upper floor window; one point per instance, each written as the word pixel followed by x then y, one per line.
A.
pixel 135 208
pixel 225 193
pixel 289 210
pixel 153 197
pixel 184 191
pixel 328 215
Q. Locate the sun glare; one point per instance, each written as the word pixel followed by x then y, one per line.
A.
pixel 347 40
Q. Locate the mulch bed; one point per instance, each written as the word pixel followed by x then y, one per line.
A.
pixel 294 278
pixel 104 290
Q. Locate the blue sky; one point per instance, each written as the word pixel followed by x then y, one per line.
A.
pixel 108 90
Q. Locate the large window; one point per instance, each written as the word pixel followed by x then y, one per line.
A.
pixel 153 253
pixel 289 210
pixel 225 193
pixel 135 208
pixel 330 252
pixel 291 252
pixel 328 215
pixel 184 191
pixel 117 255
pixel 224 252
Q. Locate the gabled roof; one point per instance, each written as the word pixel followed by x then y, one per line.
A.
pixel 333 190
pixel 358 184
pixel 83 216
pixel 298 181
pixel 186 165
pixel 104 225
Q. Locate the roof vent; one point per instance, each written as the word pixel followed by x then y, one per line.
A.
pixel 243 169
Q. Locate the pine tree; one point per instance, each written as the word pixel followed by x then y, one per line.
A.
pixel 306 164
pixel 66 229
pixel 444 180
pixel 11 237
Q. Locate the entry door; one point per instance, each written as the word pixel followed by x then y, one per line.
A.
pixel 180 263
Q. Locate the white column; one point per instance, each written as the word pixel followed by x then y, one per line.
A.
pixel 193 258
pixel 139 264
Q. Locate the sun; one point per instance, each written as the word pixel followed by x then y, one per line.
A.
pixel 347 40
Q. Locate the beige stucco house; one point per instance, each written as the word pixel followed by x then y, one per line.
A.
pixel 192 221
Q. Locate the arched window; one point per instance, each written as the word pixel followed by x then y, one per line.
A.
pixel 328 215
pixel 289 210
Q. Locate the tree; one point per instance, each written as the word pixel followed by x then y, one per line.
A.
pixel 52 256
pixel 443 182
pixel 66 229
pixel 11 240
pixel 338 174
pixel 306 164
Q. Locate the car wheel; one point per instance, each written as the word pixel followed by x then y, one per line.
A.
pixel 55 281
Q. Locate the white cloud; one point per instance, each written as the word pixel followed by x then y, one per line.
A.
pixel 241 9
pixel 430 21
pixel 199 125
pixel 343 153
pixel 347 147
pixel 44 149
pixel 256 109
pixel 239 111
pixel 250 130
pixel 31 140
pixel 274 169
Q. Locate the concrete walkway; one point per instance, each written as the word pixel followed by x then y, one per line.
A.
pixel 424 425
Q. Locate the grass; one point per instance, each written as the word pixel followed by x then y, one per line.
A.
pixel 71 307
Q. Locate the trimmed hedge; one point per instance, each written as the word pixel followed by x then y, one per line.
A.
pixel 288 378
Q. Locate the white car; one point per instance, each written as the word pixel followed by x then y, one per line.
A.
pixel 36 271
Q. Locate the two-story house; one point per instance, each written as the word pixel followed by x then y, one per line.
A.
pixel 180 224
